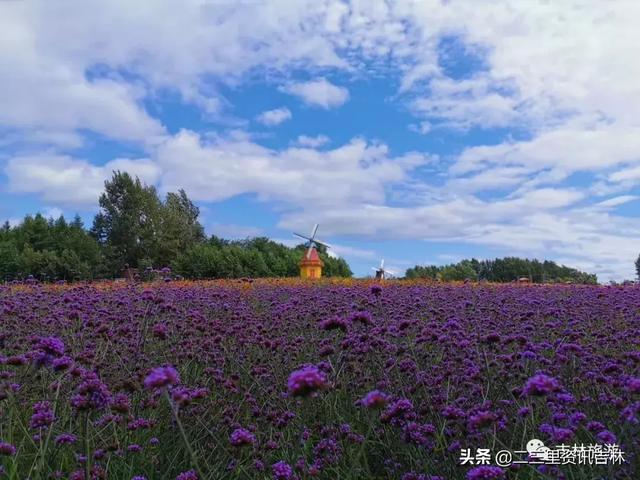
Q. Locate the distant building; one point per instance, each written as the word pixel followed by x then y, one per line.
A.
pixel 311 264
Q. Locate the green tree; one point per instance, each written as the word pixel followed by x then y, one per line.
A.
pixel 638 267
pixel 135 228
pixel 506 269
pixel 179 227
pixel 10 261
pixel 128 222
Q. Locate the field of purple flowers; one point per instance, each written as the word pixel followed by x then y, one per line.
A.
pixel 283 380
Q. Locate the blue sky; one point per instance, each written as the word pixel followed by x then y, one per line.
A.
pixel 419 132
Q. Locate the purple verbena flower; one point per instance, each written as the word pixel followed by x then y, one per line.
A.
pixel 7 449
pixel 161 377
pixel 485 472
pixel 189 475
pixel 282 471
pixel 541 384
pixel 65 439
pixel 375 399
pixel 241 436
pixel 306 381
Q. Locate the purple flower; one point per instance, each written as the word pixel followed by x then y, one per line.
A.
pixel 594 426
pixel 633 385
pixel 7 449
pixel 161 377
pixel 306 381
pixel 62 363
pixel 398 409
pixel 605 436
pixel 362 317
pixel 189 475
pixel 65 439
pixel 91 394
pixel 241 436
pixel 42 416
pixel 48 348
pixel 492 337
pixel 50 345
pixel 282 471
pixel 418 434
pixel 485 472
pixel 541 384
pixel 375 399
pixel 481 419
pixel 630 413
pixel 334 323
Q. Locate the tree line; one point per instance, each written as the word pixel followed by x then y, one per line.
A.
pixel 502 270
pixel 135 228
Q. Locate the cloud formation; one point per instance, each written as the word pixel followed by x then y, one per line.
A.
pixel 319 93
pixel 274 117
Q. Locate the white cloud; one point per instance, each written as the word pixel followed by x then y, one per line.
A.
pixel 356 172
pixel 351 252
pixel 312 142
pixel 49 52
pixel 274 117
pixel 616 201
pixel 569 149
pixel 68 181
pixel 320 93
pixel 626 175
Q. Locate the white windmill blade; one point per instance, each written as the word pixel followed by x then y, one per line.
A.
pixel 313 232
pixel 309 251
pixel 375 269
pixel 322 243
pixel 382 264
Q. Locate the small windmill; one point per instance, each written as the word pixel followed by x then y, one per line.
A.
pixel 311 264
pixel 381 272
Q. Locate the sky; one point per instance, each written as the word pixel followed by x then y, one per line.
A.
pixel 421 132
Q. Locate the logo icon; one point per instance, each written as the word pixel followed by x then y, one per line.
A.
pixel 537 450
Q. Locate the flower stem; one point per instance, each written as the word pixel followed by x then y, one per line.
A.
pixel 183 434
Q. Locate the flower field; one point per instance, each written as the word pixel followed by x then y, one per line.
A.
pixel 343 379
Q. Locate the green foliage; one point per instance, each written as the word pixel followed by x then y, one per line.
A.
pixel 638 267
pixel 134 224
pixel 48 250
pixel 503 270
pixel 256 257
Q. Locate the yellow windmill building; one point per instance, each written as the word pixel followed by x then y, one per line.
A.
pixel 311 264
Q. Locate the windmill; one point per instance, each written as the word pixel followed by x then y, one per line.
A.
pixel 381 272
pixel 311 241
pixel 311 264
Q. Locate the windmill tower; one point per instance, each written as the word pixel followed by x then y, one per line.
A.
pixel 311 264
pixel 381 272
